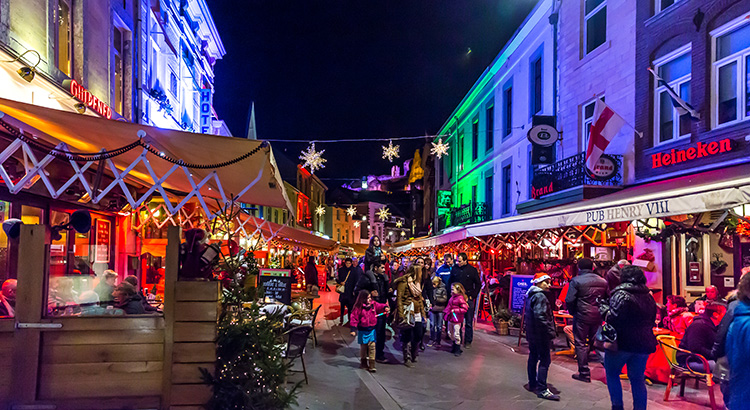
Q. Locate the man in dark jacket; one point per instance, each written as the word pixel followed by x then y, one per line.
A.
pixel 584 293
pixel 349 276
pixel 468 276
pixel 699 338
pixel 540 333
pixel 613 274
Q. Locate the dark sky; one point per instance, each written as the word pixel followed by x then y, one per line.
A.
pixel 320 69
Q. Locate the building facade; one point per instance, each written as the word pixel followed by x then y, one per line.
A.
pixel 179 46
pixel 487 171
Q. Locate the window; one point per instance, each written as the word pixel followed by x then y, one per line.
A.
pixel 488 199
pixel 460 151
pixel 731 72
pixel 587 114
pixel 118 46
pixel 173 83
pixel 535 102
pixel 473 195
pixel 475 139
pixel 594 24
pixel 64 37
pixel 338 214
pixel 508 109
pixel 675 70
pixel 662 5
pixel 506 189
pixel 490 122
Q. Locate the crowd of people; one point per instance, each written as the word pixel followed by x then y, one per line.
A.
pixel 414 296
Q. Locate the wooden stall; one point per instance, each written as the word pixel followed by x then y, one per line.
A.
pixel 102 363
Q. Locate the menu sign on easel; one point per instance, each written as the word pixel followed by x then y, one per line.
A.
pixel 101 241
pixel 277 284
pixel 519 285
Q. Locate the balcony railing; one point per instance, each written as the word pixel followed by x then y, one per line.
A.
pixel 473 212
pixel 571 172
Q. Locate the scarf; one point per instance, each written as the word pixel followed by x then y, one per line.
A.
pixel 415 289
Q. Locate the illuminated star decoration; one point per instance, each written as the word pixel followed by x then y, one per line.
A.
pixel 399 224
pixel 384 213
pixel 313 159
pixel 351 211
pixel 439 149
pixel 391 151
pixel 320 210
pixel 356 224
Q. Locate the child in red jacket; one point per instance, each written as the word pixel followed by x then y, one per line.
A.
pixel 363 318
pixel 454 316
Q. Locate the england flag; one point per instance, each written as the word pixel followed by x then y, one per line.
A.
pixel 605 126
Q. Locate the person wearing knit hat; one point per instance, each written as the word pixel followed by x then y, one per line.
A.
pixel 540 333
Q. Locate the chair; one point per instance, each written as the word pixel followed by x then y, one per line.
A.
pixel 296 339
pixel 669 347
pixel 306 318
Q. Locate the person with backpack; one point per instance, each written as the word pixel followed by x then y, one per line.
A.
pixel 440 301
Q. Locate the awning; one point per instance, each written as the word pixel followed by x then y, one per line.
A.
pixel 236 167
pixel 707 191
pixel 283 234
pixel 452 236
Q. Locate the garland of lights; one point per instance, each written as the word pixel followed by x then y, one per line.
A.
pixel 104 155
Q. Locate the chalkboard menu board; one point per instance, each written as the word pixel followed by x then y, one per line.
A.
pixel 277 284
pixel 519 284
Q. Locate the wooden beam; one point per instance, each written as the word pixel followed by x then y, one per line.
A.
pixel 172 265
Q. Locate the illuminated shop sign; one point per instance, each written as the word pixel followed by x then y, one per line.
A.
pixel 83 95
pixel 676 156
pixel 205 109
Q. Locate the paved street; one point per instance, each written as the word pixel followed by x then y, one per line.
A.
pixel 490 375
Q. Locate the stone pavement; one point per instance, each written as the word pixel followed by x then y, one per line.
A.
pixel 490 375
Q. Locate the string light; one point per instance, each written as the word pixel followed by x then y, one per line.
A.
pixel 313 159
pixel 320 210
pixel 399 224
pixel 356 224
pixel 391 151
pixel 384 213
pixel 439 149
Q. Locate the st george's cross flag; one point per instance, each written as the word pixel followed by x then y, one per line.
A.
pixel 606 125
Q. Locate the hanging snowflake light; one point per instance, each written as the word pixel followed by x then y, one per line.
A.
pixel 391 151
pixel 313 159
pixel 356 224
pixel 399 224
pixel 439 149
pixel 351 211
pixel 384 213
pixel 320 211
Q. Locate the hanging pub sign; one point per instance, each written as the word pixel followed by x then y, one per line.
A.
pixel 542 184
pixel 83 95
pixel 543 134
pixel 277 284
pixel 605 169
pixel 101 241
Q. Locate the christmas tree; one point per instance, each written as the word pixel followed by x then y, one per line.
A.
pixel 250 371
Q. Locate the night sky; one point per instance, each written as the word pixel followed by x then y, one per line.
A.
pixel 353 69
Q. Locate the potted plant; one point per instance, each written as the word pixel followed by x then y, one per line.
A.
pixel 500 319
pixel 718 266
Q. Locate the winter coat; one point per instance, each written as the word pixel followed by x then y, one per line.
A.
pixel 372 254
pixel 468 276
pixel 440 298
pixel 632 312
pixel 311 275
pixel 404 298
pixel 678 320
pixel 104 291
pixel 584 293
pixel 444 271
pixel 366 317
pixel 738 354
pixel 366 282
pixel 722 330
pixel 456 309
pixel 538 320
pixel 350 283
pixel 613 277
pixel 132 305
pixel 699 338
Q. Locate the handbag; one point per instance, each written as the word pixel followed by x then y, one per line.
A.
pixel 341 287
pixel 606 337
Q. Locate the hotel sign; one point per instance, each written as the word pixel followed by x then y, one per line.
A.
pixel 83 95
pixel 205 110
pixel 701 150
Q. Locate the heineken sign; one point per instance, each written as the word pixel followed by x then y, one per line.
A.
pixel 700 150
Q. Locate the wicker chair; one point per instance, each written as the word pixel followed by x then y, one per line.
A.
pixel 669 347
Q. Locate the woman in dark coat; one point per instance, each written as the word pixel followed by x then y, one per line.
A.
pixel 373 252
pixel 348 275
pixel 632 312
pixel 311 273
